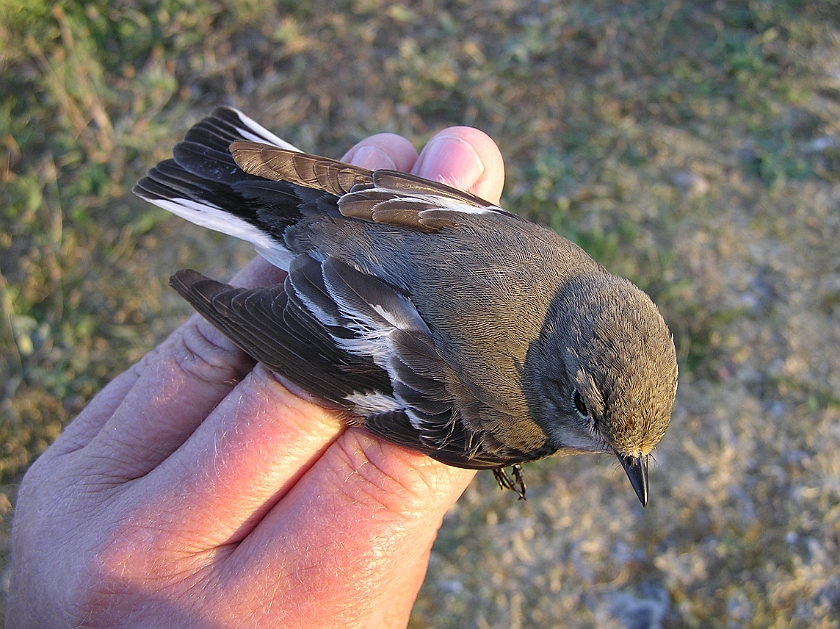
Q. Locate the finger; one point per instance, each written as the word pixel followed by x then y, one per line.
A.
pixel 383 150
pixel 464 158
pixel 149 411
pixel 237 464
pixel 359 526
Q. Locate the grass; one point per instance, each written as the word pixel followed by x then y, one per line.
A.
pixel 690 146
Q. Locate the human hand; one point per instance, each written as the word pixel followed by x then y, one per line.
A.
pixel 196 491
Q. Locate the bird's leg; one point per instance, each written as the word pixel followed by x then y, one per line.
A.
pixel 517 483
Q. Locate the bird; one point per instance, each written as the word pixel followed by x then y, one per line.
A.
pixel 433 318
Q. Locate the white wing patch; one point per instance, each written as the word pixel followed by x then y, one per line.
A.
pixel 372 334
pixel 377 315
pixel 371 342
pixel 374 403
pixel 446 203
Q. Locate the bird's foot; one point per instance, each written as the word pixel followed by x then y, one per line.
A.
pixel 517 483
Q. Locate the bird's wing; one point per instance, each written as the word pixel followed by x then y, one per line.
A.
pixel 354 343
pixel 231 175
pixel 310 171
pixel 387 197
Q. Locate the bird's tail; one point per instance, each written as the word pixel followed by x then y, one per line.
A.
pixel 203 184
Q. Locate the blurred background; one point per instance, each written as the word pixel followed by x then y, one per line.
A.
pixel 692 146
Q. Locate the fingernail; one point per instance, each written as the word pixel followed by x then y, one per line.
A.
pixel 447 154
pixel 372 158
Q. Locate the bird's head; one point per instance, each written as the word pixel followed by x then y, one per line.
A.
pixel 602 376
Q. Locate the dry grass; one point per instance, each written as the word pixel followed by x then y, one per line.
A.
pixel 693 147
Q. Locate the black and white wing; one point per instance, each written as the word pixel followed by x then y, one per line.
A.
pixel 355 344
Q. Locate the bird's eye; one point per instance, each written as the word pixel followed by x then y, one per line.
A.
pixel 580 405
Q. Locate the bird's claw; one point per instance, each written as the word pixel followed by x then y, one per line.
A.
pixel 517 483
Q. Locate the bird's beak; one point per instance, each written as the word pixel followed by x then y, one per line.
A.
pixel 637 471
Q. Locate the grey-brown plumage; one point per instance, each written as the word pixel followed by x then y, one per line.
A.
pixel 435 319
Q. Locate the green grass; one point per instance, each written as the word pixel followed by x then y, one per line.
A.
pixel 601 109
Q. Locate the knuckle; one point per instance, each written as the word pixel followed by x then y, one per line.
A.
pixel 206 354
pixel 391 478
pixel 130 567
